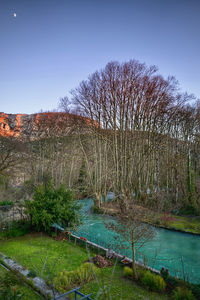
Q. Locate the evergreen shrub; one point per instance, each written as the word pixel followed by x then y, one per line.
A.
pixel 51 205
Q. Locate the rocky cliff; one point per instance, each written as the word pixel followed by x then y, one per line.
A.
pixel 39 125
pixel 10 124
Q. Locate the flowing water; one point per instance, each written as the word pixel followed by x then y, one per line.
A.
pixel 179 252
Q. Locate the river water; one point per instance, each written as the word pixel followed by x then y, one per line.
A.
pixel 179 252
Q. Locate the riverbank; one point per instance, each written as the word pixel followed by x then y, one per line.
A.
pixel 186 224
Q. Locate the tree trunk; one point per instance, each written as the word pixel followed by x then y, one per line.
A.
pixel 133 254
pixel 98 200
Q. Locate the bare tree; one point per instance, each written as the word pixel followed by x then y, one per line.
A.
pixel 133 106
pixel 12 153
pixel 129 224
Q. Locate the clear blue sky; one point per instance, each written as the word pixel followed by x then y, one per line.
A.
pixel 51 45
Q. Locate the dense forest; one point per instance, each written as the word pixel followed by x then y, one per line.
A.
pixel 142 142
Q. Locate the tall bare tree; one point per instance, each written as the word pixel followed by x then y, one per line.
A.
pixel 134 107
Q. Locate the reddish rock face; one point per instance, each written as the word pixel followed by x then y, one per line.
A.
pixel 10 124
pixel 41 124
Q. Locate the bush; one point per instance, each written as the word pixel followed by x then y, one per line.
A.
pixel 140 272
pixel 6 202
pixel 51 205
pixel 159 283
pixel 8 282
pixel 166 218
pixel 157 222
pixel 172 282
pixel 83 274
pixel 153 282
pixel 195 288
pixel 64 280
pixel 53 234
pixel 164 273
pixel 189 210
pixel 182 293
pixel 32 274
pixel 97 210
pixel 127 272
pixel 16 228
pixel 11 294
pixel 147 279
pixel 86 272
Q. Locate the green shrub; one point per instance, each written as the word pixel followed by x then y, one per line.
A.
pixel 51 205
pixel 164 273
pixel 8 281
pixel 83 274
pixel 97 210
pixel 89 270
pixel 16 228
pixel 127 272
pixel 11 294
pixel 172 282
pixel 32 274
pixel 157 222
pixel 64 280
pixel 140 272
pixel 153 282
pixel 195 288
pixel 147 279
pixel 159 283
pixel 189 210
pixel 182 293
pixel 6 202
pixel 86 272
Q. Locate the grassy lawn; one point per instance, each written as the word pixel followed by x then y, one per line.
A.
pixel 188 224
pixel 8 279
pixel 41 253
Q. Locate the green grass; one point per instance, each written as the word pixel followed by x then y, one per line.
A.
pixel 187 224
pixel 181 223
pixel 8 279
pixel 119 287
pixel 33 251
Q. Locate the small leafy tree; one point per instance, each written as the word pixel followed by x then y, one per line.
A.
pixel 51 205
pixel 132 229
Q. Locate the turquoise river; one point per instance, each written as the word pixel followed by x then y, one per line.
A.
pixel 179 252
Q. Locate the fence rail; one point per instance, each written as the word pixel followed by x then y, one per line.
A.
pixel 76 293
